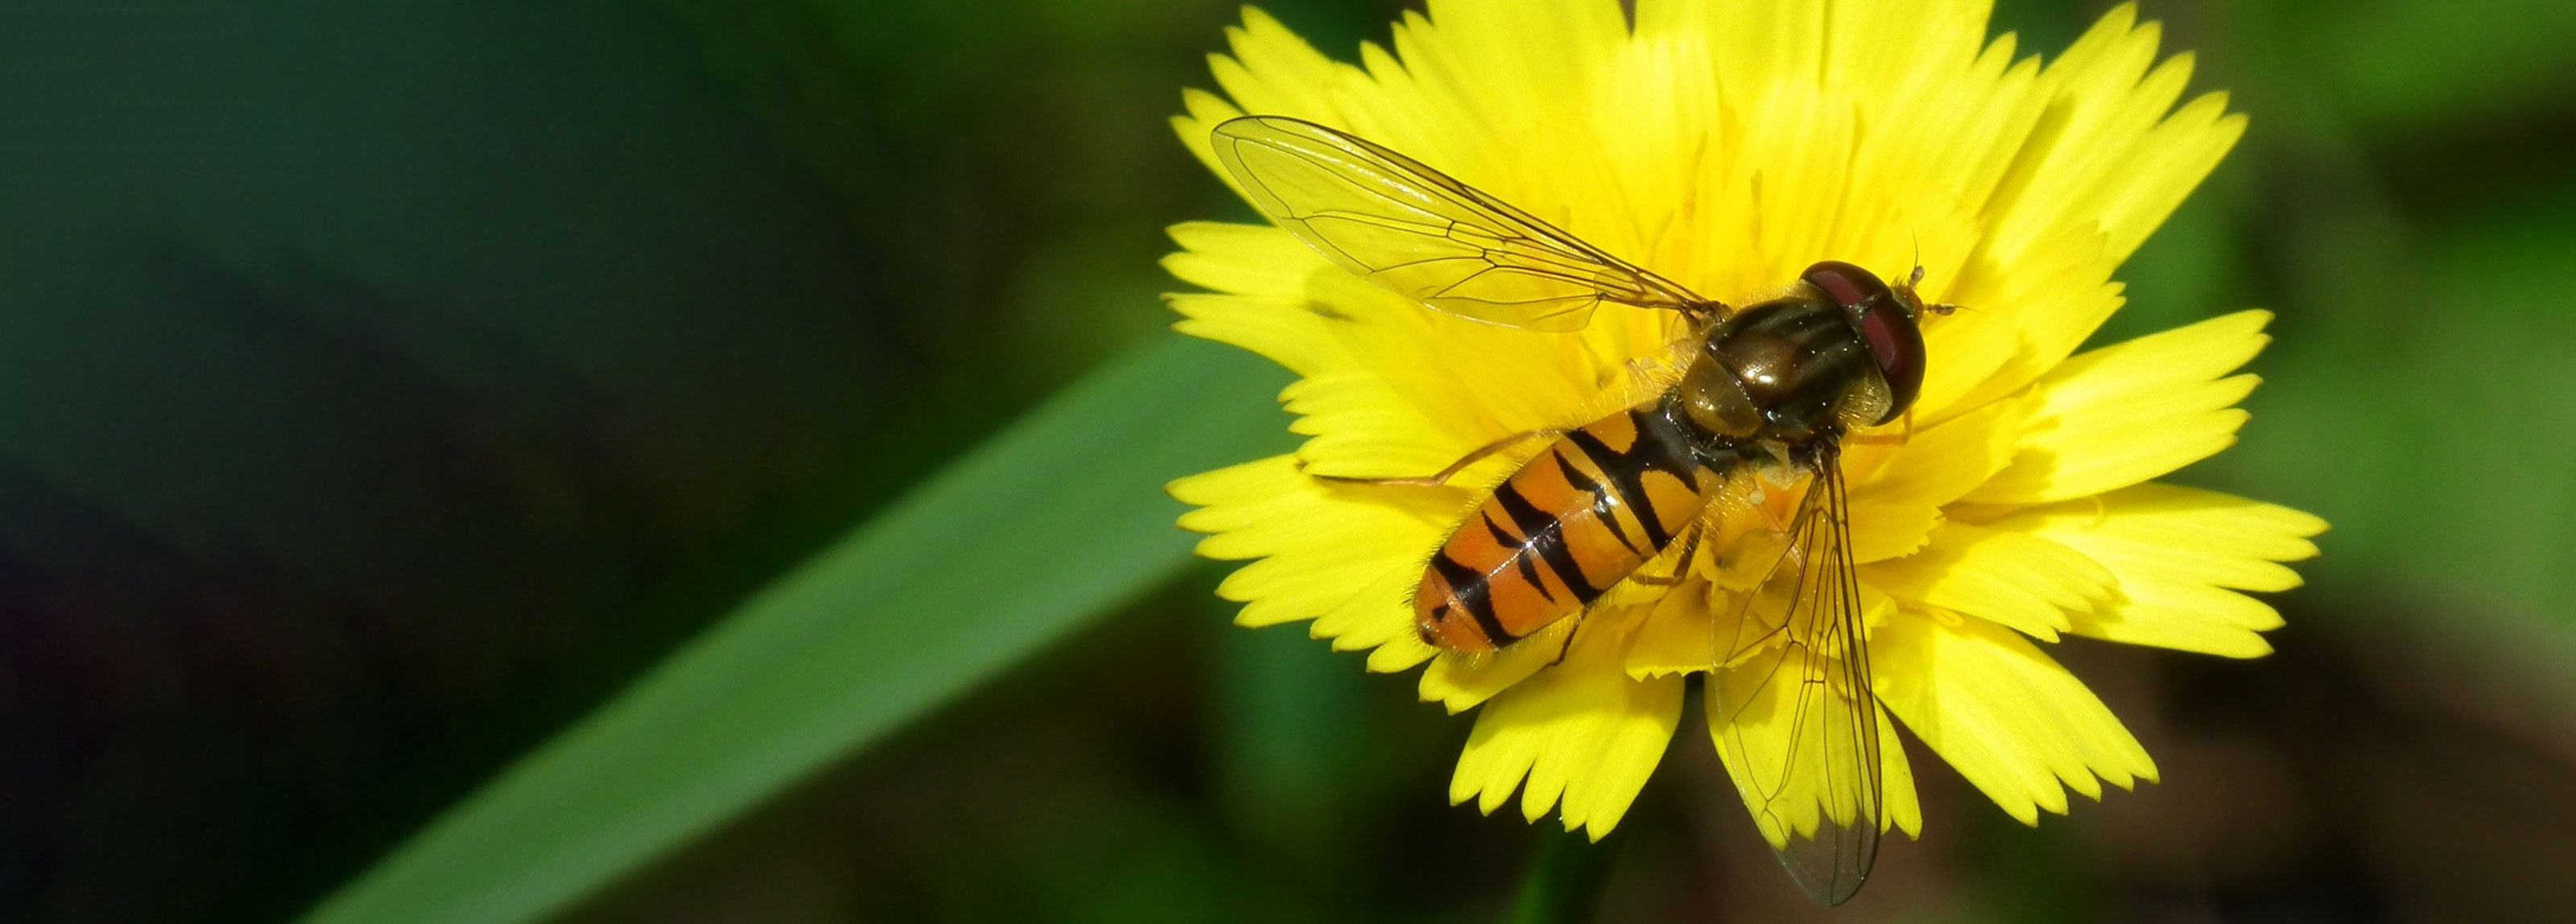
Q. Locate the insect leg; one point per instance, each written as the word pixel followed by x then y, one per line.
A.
pixel 1570 632
pixel 1442 477
pixel 1681 564
pixel 1897 438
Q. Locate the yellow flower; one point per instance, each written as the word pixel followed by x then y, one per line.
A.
pixel 1726 145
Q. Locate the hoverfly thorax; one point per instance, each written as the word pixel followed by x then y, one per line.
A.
pixel 1838 351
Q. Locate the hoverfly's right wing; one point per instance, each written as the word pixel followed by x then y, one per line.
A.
pixel 1791 707
pixel 1420 234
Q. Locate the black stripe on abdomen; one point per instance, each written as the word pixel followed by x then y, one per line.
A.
pixel 1606 512
pixel 1658 448
pixel 1469 587
pixel 1529 568
pixel 1547 538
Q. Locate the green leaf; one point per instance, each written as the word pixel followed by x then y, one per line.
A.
pixel 1056 520
pixel 1566 875
pixel 2398 66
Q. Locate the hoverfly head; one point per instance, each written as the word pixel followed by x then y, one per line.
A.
pixel 1888 320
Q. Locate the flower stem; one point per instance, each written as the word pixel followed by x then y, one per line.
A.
pixel 1564 880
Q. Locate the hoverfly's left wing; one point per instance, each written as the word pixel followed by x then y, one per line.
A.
pixel 1791 708
pixel 1390 220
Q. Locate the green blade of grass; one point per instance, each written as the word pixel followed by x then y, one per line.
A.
pixel 1566 875
pixel 1055 520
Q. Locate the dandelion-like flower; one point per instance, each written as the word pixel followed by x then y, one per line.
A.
pixel 1729 148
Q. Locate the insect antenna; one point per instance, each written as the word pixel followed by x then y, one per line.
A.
pixel 1916 278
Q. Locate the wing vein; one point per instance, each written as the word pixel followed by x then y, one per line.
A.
pixel 1426 236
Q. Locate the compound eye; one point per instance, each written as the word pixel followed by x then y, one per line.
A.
pixel 1885 322
pixel 1897 343
pixel 1848 285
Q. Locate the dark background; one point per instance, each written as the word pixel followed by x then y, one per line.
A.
pixel 383 385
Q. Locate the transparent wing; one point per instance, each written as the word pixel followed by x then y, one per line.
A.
pixel 1791 707
pixel 1425 236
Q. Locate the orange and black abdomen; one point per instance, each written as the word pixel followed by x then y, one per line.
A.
pixel 1573 522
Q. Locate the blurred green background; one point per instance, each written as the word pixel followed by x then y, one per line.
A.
pixel 384 387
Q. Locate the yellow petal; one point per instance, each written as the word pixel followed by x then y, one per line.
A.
pixel 1400 653
pixel 1262 268
pixel 1257 260
pixel 2021 319
pixel 1320 545
pixel 1971 132
pixel 2012 578
pixel 1896 780
pixel 1583 734
pixel 1290 338
pixel 1274 72
pixel 1941 37
pixel 1895 507
pixel 2125 413
pixel 2108 155
pixel 1763 43
pixel 1197 130
pixel 1460 682
pixel 1501 87
pixel 1270 266
pixel 1380 614
pixel 1791 750
pixel 2014 723
pixel 1362 429
pixel 1675 635
pixel 2170 163
pixel 1524 55
pixel 2179 555
pixel 1788 783
pixel 1392 390
pixel 2101 167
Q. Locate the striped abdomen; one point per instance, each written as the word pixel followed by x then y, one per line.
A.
pixel 1571 523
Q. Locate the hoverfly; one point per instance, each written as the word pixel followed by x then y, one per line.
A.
pixel 1771 387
